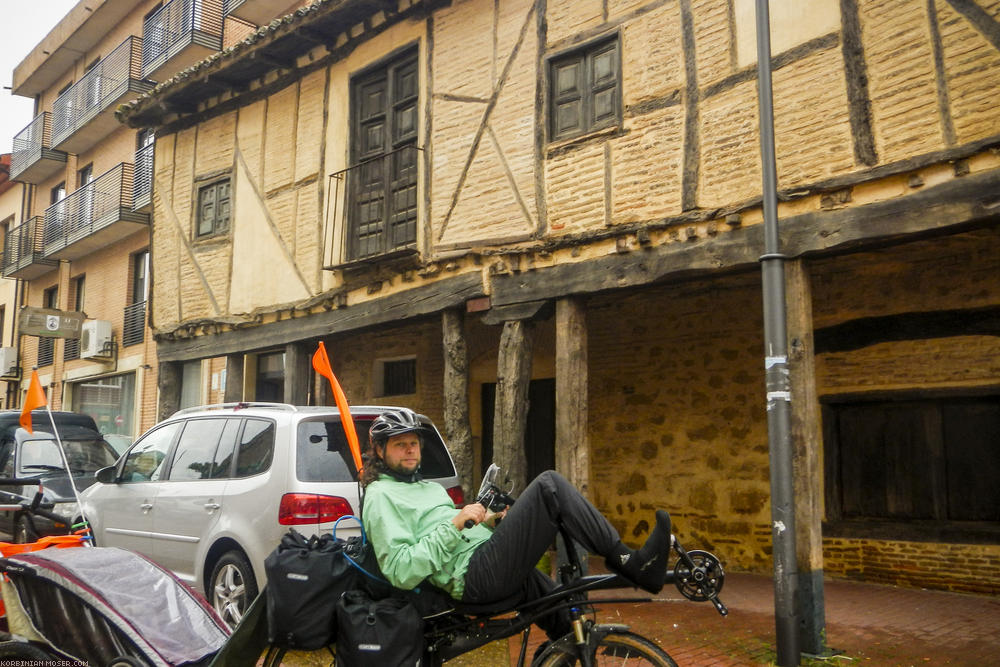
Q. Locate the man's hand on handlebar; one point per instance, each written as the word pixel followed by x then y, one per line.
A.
pixel 469 516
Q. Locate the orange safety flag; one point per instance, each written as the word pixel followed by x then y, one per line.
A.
pixel 35 398
pixel 321 363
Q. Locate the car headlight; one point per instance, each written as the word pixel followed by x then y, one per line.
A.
pixel 69 510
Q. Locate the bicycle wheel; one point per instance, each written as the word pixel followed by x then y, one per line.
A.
pixel 615 648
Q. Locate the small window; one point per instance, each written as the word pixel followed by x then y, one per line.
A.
pixel 398 377
pixel 585 90
pixel 213 208
pixel 256 448
pixel 195 455
pixel 144 462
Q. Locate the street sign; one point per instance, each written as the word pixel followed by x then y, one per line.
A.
pixel 49 322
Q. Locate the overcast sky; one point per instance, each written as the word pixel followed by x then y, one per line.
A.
pixel 24 24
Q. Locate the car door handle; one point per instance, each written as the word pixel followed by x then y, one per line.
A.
pixel 212 506
pixel 145 507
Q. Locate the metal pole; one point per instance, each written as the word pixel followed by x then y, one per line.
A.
pixel 776 369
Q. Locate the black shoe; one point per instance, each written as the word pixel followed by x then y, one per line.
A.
pixel 647 567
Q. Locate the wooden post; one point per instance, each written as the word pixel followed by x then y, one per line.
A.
pixel 296 374
pixel 457 429
pixel 511 415
pixel 572 443
pixel 234 379
pixel 806 436
pixel 168 382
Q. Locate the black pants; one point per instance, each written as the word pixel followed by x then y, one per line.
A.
pixel 504 566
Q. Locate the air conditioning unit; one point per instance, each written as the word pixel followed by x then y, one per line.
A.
pixel 95 339
pixel 8 361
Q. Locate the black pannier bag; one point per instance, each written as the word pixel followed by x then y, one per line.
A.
pixel 387 632
pixel 305 579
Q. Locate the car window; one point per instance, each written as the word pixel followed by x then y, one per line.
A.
pixel 7 456
pixel 222 466
pixel 256 448
pixel 89 454
pixel 322 454
pixel 144 462
pixel 194 457
pixel 38 456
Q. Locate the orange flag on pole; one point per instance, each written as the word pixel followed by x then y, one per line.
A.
pixel 321 363
pixel 35 398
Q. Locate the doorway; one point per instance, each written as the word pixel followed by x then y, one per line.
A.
pixel 540 435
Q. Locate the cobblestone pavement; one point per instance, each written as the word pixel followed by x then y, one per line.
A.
pixel 866 624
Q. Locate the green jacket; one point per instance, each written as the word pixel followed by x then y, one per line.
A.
pixel 409 525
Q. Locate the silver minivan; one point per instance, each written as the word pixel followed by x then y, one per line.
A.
pixel 208 492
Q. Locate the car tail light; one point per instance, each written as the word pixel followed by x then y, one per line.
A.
pixel 297 509
pixel 457 495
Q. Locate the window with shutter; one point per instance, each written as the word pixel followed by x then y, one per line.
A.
pixel 214 208
pixel 382 187
pixel 585 90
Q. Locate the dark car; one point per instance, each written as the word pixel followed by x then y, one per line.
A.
pixel 37 456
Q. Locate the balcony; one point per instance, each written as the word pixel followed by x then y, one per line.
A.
pixel 258 12
pixel 142 186
pixel 33 159
pixel 178 35
pixel 85 113
pixel 22 251
pixel 134 324
pixel 98 214
pixel 375 202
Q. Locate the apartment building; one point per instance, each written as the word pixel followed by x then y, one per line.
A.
pixel 79 247
pixel 11 201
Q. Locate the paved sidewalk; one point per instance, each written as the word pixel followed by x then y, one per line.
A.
pixel 866 624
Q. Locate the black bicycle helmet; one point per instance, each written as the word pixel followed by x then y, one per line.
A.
pixel 394 422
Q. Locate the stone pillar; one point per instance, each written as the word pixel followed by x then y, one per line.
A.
pixel 572 442
pixel 511 414
pixel 806 435
pixel 168 384
pixel 457 429
pixel 234 379
pixel 297 365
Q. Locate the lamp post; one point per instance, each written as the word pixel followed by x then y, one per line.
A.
pixel 776 369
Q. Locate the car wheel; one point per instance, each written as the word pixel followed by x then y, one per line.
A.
pixel 24 531
pixel 233 587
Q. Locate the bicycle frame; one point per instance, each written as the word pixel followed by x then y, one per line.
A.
pixel 453 633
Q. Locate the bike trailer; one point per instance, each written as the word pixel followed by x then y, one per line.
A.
pixel 96 603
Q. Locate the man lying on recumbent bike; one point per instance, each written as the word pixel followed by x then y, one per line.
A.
pixel 419 535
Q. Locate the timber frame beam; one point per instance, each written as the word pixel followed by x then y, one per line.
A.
pixel 946 208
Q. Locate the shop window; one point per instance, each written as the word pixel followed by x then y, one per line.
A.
pixel 110 401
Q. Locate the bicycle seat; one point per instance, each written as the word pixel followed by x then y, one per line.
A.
pixel 487 608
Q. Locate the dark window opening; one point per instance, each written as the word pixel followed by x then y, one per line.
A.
pixel 918 462
pixel 399 377
pixel 585 90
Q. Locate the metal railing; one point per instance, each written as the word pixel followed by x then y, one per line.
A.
pixel 91 208
pixel 377 204
pixel 23 246
pixel 142 185
pixel 30 143
pixel 177 24
pixel 134 325
pixel 98 88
